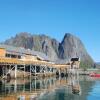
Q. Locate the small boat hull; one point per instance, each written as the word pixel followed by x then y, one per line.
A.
pixel 95 75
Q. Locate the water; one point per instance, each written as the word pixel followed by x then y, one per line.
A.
pixel 52 88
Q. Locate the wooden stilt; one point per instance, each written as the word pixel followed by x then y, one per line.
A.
pixel 30 71
pixel 24 71
pixel 35 70
pixel 3 71
pixel 59 72
pixel 15 71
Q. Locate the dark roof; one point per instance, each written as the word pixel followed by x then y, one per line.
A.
pixel 74 59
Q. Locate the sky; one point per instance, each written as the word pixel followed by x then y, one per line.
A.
pixel 53 18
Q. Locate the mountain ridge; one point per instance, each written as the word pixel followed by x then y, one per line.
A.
pixel 70 46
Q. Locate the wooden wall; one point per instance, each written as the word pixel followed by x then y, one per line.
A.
pixel 2 52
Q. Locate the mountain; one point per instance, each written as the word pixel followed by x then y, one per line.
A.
pixel 70 46
pixel 97 64
pixel 40 43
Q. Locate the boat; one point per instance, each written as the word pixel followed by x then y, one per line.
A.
pixel 94 75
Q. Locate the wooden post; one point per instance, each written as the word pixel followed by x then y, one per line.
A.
pixel 15 71
pixel 30 71
pixel 30 77
pixel 70 68
pixel 35 70
pixel 6 69
pixel 24 71
pixel 3 70
pixel 45 70
pixel 9 68
pixel 50 71
pixel 59 72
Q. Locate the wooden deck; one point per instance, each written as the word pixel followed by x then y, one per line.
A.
pixel 45 68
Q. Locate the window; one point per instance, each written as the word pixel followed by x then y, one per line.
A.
pixel 8 55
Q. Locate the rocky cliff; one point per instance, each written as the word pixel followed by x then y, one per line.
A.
pixel 70 46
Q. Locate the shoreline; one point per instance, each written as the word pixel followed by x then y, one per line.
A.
pixel 88 71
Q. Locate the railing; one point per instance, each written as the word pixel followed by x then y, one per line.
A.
pixel 5 60
pixel 8 72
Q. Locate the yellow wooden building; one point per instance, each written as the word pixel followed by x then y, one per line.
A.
pixel 21 62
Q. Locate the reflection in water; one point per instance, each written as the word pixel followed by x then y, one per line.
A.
pixel 75 85
pixel 52 88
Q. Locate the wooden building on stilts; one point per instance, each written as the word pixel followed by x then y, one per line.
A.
pixel 17 62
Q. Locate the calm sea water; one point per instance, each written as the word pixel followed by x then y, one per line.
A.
pixel 52 88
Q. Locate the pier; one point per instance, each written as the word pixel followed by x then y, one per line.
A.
pixel 20 63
